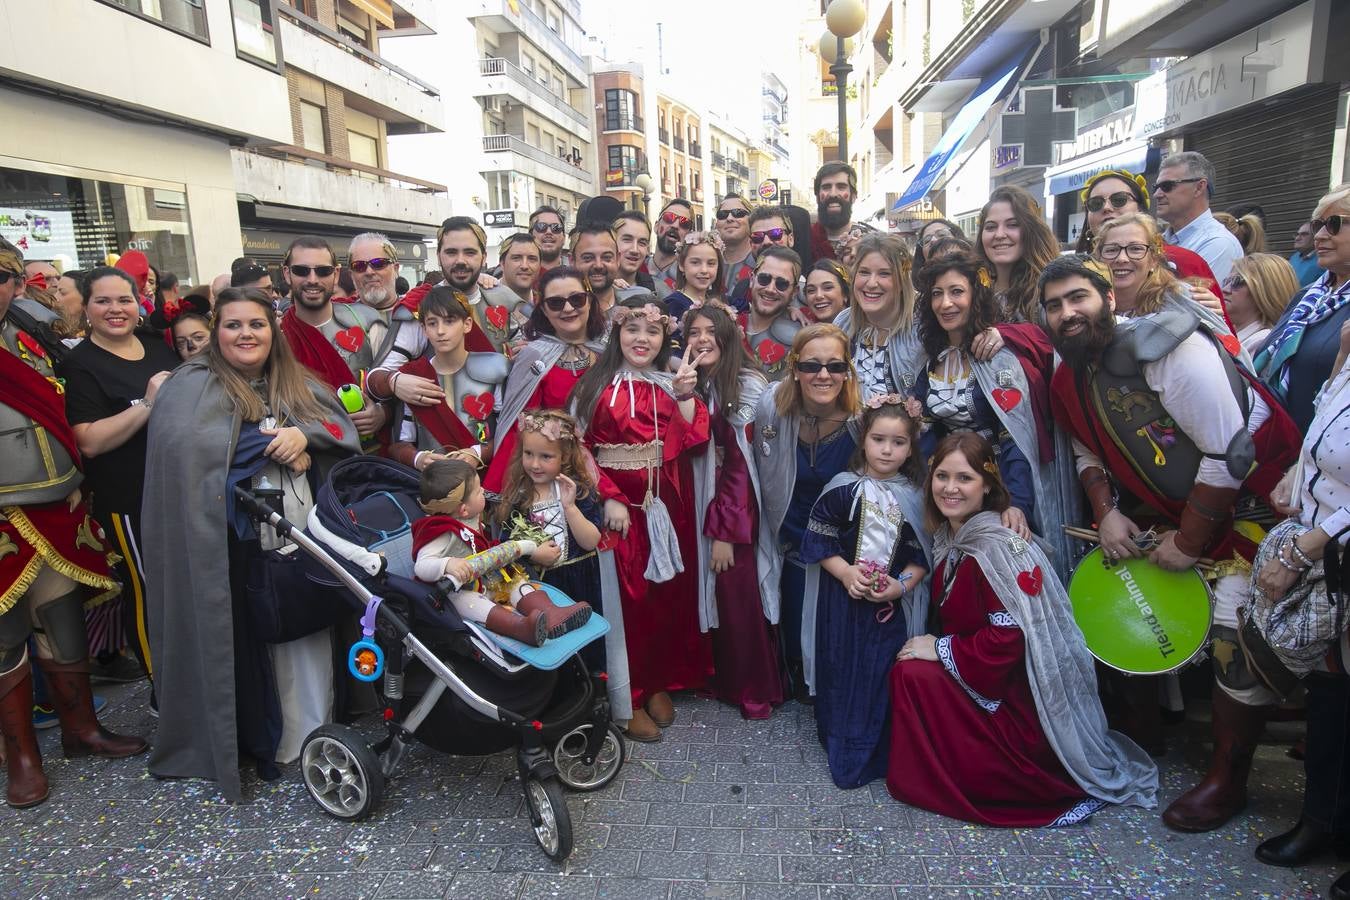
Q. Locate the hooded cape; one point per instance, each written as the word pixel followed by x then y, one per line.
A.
pixel 192 434
pixel 904 352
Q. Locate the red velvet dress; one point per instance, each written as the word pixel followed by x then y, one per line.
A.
pixel 965 738
pixel 551 393
pixel 745 645
pixel 666 650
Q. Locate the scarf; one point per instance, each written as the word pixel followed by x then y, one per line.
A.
pixel 1320 301
pixel 314 351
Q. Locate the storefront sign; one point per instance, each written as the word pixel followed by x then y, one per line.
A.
pixel 40 233
pixel 504 218
pixel 768 190
pixel 1115 130
pixel 1007 156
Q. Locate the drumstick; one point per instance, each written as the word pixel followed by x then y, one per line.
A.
pixel 1206 566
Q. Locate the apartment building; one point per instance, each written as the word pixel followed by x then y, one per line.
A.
pixel 774 123
pixel 679 134
pixel 620 121
pixel 730 160
pixel 537 122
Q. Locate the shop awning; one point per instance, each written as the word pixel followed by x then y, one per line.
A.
pixel 994 87
pixel 1072 176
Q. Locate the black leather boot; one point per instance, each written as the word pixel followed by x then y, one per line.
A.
pixel 1301 844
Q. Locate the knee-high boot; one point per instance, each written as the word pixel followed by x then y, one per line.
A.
pixel 81 734
pixel 1222 793
pixel 27 783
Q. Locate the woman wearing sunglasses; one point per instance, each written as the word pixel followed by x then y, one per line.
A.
pixel 1298 354
pixel 1258 290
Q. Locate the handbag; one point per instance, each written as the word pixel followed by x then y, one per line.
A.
pixel 1298 627
pixel 283 603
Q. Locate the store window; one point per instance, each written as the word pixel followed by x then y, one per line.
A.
pixel 255 32
pixel 184 16
pixel 78 222
pixel 624 164
pixel 499 190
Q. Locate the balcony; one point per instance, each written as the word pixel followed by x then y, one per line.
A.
pixel 372 84
pixel 698 195
pixel 623 122
pixel 664 136
pixel 506 16
pixel 737 168
pixel 696 149
pixel 294 176
pixel 678 143
pixel 718 160
pixel 501 77
pixel 564 171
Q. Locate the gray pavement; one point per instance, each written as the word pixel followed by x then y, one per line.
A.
pixel 722 808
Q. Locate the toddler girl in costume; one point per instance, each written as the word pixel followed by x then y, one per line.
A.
pixel 449 546
pixel 865 532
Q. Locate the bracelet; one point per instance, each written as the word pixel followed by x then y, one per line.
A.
pixel 680 398
pixel 393 379
pixel 1288 565
pixel 1298 552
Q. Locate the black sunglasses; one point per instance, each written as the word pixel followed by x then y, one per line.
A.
pixel 1117 201
pixel 1331 223
pixel 378 264
pixel 724 214
pixel 546 228
pixel 778 281
pixel 1166 187
pixel 773 234
pixel 320 271
pixel 577 300
pixel 1234 283
pixel 812 367
pixel 6 276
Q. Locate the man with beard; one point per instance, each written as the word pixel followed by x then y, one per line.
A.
pixel 733 226
pixel 549 230
pixel 769 227
pixel 595 251
pixel 836 188
pixel 520 259
pixel 332 340
pixel 635 240
pixel 674 222
pixel 373 264
pixel 769 329
pixel 1167 430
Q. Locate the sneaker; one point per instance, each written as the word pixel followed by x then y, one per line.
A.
pixel 120 669
pixel 45 716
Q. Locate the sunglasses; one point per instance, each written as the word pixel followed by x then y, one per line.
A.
pixel 320 271
pixel 765 279
pixel 6 276
pixel 676 219
pixel 1117 201
pixel 773 234
pixel 546 228
pixel 378 264
pixel 1234 283
pixel 1166 187
pixel 724 214
pixel 577 300
pixel 1331 223
pixel 812 367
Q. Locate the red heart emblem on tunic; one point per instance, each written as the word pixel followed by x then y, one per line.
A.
pixel 770 352
pixel 480 406
pixel 608 540
pixel 1007 398
pixel 1030 582
pixel 497 316
pixel 1231 344
pixel 334 429
pixel 350 339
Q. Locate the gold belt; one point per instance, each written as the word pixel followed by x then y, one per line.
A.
pixel 628 456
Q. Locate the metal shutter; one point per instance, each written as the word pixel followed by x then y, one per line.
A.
pixel 1277 155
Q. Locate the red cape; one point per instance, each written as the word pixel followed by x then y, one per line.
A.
pixel 1034 351
pixel 445 426
pixel 821 248
pixel 314 351
pixel 426 530
pixel 476 341
pixel 37 398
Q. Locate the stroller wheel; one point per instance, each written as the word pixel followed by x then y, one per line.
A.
pixel 341 772
pixel 548 814
pixel 569 758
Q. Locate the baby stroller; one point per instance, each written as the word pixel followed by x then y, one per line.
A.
pixel 443 681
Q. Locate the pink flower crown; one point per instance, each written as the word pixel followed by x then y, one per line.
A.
pixel 706 237
pixel 912 407
pixel 648 313
pixel 552 428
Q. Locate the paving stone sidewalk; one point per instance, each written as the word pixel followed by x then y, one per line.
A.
pixel 722 809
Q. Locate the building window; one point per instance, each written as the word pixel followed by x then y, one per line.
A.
pixel 499 190
pixel 255 32
pixel 311 128
pixel 624 164
pixel 184 16
pixel 363 149
pixel 621 110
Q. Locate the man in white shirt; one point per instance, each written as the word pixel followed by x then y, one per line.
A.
pixel 1181 195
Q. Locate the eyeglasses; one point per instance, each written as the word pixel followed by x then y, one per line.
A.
pixel 932 236
pixel 547 228
pixel 773 234
pixel 765 279
pixel 676 219
pixel 577 300
pixel 378 264
pixel 1117 201
pixel 812 367
pixel 724 214
pixel 1167 187
pixel 1135 252
pixel 320 271
pixel 6 276
pixel 1234 283
pixel 1331 223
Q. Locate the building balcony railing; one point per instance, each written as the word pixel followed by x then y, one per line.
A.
pixel 740 169
pixel 622 178
pixel 623 122
pixel 502 143
pixel 678 143
pixel 698 195
pixel 718 160
pixel 493 66
pixel 313 26
pixel 663 135
pixel 696 149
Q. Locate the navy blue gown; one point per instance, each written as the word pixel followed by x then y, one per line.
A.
pixel 855 648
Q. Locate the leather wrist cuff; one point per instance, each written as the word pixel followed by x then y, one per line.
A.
pixel 1208 512
pixel 1097 486
pixel 377 385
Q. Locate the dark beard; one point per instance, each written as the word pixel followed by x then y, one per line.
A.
pixel 600 283
pixel 548 260
pixel 1086 347
pixel 833 221
pixel 463 287
pixel 299 297
pixel 668 243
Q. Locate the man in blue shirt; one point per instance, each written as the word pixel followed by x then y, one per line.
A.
pixel 1181 195
pixel 1304 257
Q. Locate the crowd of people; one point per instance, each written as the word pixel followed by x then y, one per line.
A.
pixel 795 458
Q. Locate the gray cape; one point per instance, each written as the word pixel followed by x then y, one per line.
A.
pixel 904 352
pixel 1105 764
pixel 186 561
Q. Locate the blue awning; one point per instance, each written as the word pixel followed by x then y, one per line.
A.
pixel 1136 158
pixel 991 89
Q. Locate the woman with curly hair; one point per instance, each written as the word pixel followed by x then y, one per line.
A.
pixel 1015 243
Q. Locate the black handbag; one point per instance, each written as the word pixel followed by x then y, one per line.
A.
pixel 283 603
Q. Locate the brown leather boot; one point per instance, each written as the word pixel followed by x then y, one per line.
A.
pixel 661 708
pixel 561 619
pixel 81 733
pixel 27 784
pixel 531 629
pixel 641 728
pixel 1223 792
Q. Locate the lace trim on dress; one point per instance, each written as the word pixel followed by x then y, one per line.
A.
pixel 1081 811
pixel 1002 619
pixel 944 652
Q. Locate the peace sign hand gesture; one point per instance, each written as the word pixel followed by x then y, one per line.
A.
pixel 686 376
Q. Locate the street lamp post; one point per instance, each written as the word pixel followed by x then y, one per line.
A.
pixel 645 183
pixel 844 18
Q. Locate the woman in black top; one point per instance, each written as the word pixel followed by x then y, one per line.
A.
pixel 111 379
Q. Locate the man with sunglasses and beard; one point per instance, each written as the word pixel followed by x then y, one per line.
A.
pixel 1169 431
pixel 836 188
pixel 769 227
pixel 674 222
pixel 733 226
pixel 768 326
pixel 550 233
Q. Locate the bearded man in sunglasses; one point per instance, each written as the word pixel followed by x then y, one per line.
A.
pixel 769 227
pixel 674 222
pixel 769 329
pixel 550 233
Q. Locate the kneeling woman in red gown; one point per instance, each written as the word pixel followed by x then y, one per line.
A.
pixel 996 720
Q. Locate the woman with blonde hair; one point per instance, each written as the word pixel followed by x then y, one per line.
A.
pixel 1258 289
